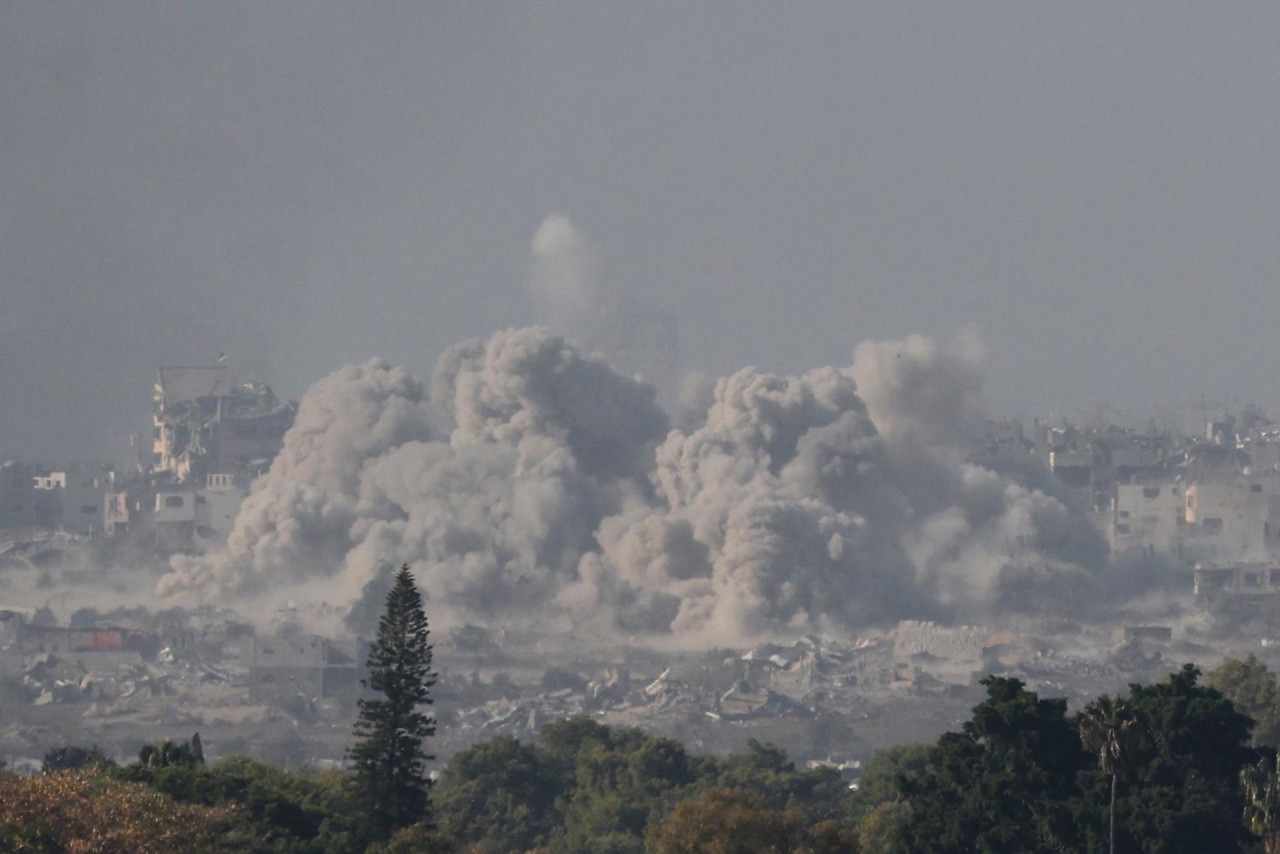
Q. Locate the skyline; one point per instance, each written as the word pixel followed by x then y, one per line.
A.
pixel 1094 195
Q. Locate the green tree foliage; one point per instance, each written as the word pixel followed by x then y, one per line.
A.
pixel 726 821
pixel 880 830
pixel 500 795
pixel 389 755
pixel 1260 786
pixel 884 776
pixel 166 753
pixel 1003 783
pixel 1185 796
pixel 1017 778
pixel 585 787
pixel 1252 689
pixel 563 740
pixel 423 838
pixel 275 811
pixel 817 794
pixel 620 786
pixel 72 758
pixel 1020 776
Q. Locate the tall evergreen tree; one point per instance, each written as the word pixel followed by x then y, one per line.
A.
pixel 389 755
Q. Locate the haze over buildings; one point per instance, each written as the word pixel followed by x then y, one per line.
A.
pixel 301 189
pixel 638 333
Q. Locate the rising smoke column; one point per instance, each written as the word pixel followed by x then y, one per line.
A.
pixel 567 285
pixel 571 294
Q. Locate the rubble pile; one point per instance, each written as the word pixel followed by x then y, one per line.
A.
pixel 122 677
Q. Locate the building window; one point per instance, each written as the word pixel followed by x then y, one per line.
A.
pixel 1213 524
pixel 173 501
pixel 88 509
pixel 1124 514
pixel 1150 491
pixel 1122 529
pixel 1255 487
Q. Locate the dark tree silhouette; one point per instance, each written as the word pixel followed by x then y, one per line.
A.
pixel 389 755
pixel 1111 729
pixel 1261 787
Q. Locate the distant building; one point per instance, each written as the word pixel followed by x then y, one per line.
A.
pixel 1005 433
pixel 1148 516
pixel 22 506
pixel 55 498
pixel 205 423
pixel 1222 520
pixel 79 494
pixel 188 517
pixel 309 665
pixel 1244 582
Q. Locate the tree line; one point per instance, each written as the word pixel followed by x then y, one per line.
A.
pixel 1182 765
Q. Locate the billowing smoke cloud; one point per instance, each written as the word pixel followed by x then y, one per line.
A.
pixel 553 488
pixel 296 522
pixel 493 513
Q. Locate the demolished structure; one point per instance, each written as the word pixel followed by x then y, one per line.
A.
pixel 206 423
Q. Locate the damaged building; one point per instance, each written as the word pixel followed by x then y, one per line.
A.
pixel 1225 519
pixel 68 498
pixel 197 518
pixel 22 506
pixel 207 423
pixel 310 666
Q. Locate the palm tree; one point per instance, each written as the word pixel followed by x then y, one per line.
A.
pixel 1261 785
pixel 1112 728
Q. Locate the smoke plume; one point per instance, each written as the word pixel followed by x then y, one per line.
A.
pixel 566 283
pixel 535 483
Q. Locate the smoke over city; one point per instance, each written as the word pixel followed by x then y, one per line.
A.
pixel 529 479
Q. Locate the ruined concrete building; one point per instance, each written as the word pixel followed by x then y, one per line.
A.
pixel 54 497
pixel 206 423
pixel 307 665
pixel 1223 521
pixel 23 506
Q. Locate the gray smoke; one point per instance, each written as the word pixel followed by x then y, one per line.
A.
pixel 493 511
pixel 566 284
pixel 297 520
pixel 571 294
pixel 551 489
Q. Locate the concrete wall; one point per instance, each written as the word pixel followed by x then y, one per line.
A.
pixel 1147 516
pixel 1234 516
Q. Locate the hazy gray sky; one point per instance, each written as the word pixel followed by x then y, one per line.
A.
pixel 1095 189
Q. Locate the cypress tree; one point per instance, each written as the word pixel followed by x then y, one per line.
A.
pixel 389 754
